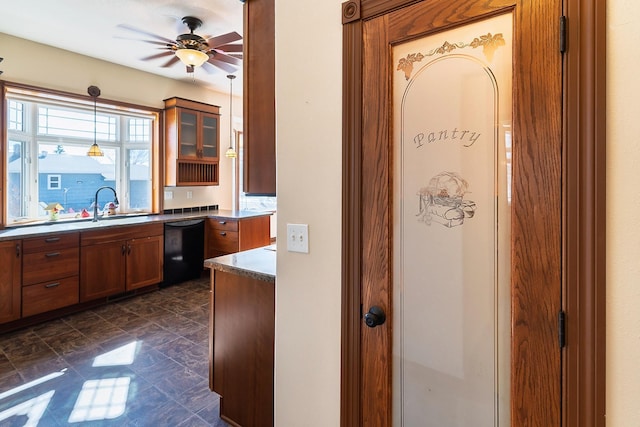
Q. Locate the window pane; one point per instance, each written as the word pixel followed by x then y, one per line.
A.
pixel 139 130
pixel 16 115
pixel 139 180
pixel 80 177
pixel 16 188
pixel 78 124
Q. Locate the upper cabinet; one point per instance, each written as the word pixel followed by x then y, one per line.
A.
pixel 192 135
pixel 259 98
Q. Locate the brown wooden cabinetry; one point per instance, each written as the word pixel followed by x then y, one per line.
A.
pixel 259 98
pixel 227 235
pixel 10 279
pixel 50 268
pixel 192 135
pixel 242 347
pixel 120 259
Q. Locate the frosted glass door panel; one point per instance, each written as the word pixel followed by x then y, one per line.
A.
pixel 452 127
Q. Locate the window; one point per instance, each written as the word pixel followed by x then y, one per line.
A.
pixel 245 202
pixel 53 182
pixel 47 140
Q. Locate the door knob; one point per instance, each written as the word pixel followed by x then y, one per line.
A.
pixel 374 317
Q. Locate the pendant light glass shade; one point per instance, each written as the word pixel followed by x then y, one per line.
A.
pixel 94 150
pixel 231 153
pixel 192 57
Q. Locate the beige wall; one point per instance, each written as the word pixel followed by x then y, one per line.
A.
pixel 308 61
pixel 623 201
pixel 309 141
pixel 63 70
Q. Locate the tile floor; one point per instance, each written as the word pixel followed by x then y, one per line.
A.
pixel 137 362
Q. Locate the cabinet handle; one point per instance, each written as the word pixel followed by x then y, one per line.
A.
pixel 129 249
pixel 52 254
pixel 124 249
pixel 223 233
pixel 51 239
pixel 52 285
pixel 223 222
pixel 17 250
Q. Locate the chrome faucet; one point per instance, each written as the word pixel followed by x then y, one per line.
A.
pixel 95 203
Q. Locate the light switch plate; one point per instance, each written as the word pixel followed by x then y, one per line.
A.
pixel 298 238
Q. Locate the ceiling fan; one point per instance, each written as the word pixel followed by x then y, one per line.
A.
pixel 193 50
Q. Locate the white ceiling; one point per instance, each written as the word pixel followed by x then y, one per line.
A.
pixel 91 27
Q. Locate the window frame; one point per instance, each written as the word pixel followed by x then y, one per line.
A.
pixel 52 96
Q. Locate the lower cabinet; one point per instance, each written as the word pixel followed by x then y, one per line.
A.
pixel 114 261
pixel 50 266
pixel 10 280
pixel 241 352
pixel 228 235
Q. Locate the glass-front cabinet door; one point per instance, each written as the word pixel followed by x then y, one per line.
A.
pixel 209 136
pixel 188 134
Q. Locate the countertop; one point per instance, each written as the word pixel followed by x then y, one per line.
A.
pixel 49 227
pixel 257 263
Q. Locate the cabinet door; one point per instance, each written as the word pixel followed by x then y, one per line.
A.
pixel 188 134
pixel 10 256
pixel 102 270
pixel 259 98
pixel 209 136
pixel 145 259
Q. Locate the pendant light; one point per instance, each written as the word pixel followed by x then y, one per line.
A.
pixel 94 150
pixel 231 153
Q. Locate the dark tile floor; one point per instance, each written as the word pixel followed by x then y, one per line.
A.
pixel 137 362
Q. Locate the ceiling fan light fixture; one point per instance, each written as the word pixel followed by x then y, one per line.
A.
pixel 192 57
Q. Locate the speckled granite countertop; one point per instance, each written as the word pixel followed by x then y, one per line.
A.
pixel 257 263
pixel 118 220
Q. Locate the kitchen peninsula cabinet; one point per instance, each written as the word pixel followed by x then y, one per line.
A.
pixel 50 272
pixel 120 259
pixel 225 235
pixel 192 135
pixel 241 336
pixel 10 280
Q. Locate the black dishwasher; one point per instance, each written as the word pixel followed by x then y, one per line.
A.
pixel 183 251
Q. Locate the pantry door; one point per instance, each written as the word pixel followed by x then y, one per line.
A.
pixel 460 213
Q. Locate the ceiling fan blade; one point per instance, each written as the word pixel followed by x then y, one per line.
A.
pixel 146 33
pixel 216 41
pixel 170 62
pixel 220 56
pixel 156 42
pixel 157 55
pixel 236 55
pixel 230 48
pixel 219 64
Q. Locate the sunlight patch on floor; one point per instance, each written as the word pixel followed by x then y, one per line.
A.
pixel 103 399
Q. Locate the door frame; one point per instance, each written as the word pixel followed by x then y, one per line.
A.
pixel 583 212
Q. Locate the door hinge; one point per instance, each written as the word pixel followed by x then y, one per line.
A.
pixel 561 329
pixel 563 34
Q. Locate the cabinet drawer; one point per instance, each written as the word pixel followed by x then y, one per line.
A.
pixel 223 224
pixel 223 241
pixel 51 243
pixel 48 296
pixel 50 265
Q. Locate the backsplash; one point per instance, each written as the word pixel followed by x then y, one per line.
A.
pixel 191 209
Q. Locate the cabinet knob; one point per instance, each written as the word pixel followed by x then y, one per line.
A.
pixel 223 233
